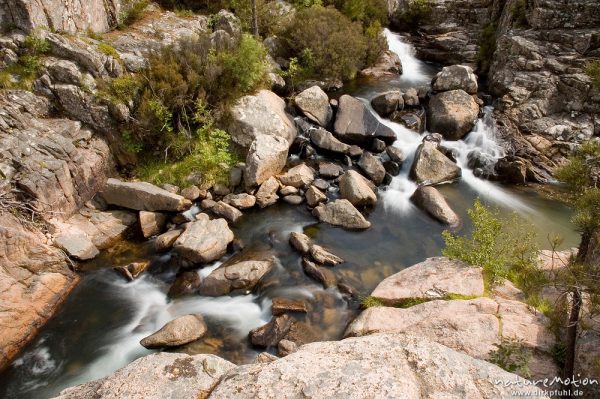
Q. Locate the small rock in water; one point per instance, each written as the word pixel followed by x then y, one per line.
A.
pixel 378 146
pixel 286 347
pixel 321 184
pixel 330 170
pixel 395 154
pixel 185 283
pixel 267 193
pixel 227 211
pixel 152 223
pixel 288 190
pixel 324 257
pixel 286 305
pixel 314 196
pixel 240 201
pixel 293 199
pixel 392 168
pixel 300 242
pixel 177 332
pixel 132 270
pixel 271 333
pixel 321 274
pixel 165 241
pixel 191 193
pixel 372 167
pixel 341 213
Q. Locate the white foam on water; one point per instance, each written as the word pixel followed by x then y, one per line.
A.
pixel 413 69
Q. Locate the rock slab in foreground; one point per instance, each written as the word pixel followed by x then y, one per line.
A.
pixel 378 366
pixel 452 113
pixel 431 166
pixel 157 376
pixel 341 213
pixel 204 240
pixel 237 276
pixel 142 196
pixel 177 332
pixel 431 279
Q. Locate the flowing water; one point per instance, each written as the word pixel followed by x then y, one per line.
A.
pixel 98 328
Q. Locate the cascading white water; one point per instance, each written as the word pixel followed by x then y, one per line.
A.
pixel 482 138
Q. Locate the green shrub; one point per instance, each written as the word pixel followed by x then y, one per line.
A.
pixel 22 74
pixel 366 11
pixel 414 14
pixel 109 50
pixel 133 11
pixel 513 356
pixel 122 89
pixel 370 302
pixel 503 250
pixel 36 45
pixel 593 70
pixel 519 14
pixel 337 46
pixel 583 169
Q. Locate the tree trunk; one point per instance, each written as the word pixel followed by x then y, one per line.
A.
pixel 569 370
pixel 254 19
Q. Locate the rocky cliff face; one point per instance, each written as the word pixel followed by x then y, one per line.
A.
pixel 58 15
pixel 536 51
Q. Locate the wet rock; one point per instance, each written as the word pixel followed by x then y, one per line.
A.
pixel 378 146
pixel 314 196
pixel 207 204
pixel 267 193
pixel 452 113
pixel 323 256
pixel 240 201
pixel 411 97
pixel 324 140
pixel 283 305
pixel 330 170
pixel 412 119
pixel 355 189
pixel 152 223
pixel 319 273
pixel 132 270
pixel 431 166
pixel 386 103
pixel 177 332
pixel 455 77
pixel 314 104
pixel 355 151
pixel 142 196
pixel 165 241
pixel 227 211
pixel 341 213
pixel 388 65
pixel 236 276
pixel 511 169
pixel 286 347
pixel 392 168
pixel 372 167
pixel 395 154
pixel 191 193
pixel 266 157
pixel 159 375
pixel 300 242
pixel 261 114
pixel 433 202
pixel 204 240
pixel 321 184
pixel 355 124
pixel 432 278
pixel 376 366
pixel 77 246
pixel 293 199
pixel 185 283
pixel 299 176
pixel 288 190
pixel 271 333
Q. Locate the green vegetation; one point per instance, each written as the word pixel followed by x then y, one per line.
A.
pixel 370 302
pixel 503 250
pixel 513 356
pixel 583 170
pixel 487 47
pixel 368 12
pixel 593 71
pixel 133 11
pixel 109 50
pixel 519 14
pixel 415 14
pixel 327 44
pixel 177 104
pixel 22 74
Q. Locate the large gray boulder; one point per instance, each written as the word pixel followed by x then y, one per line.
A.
pixel 260 114
pixel 355 188
pixel 177 332
pixel 388 65
pixel 314 104
pixel 235 276
pixel 267 157
pixel 324 140
pixel 372 167
pixel 377 366
pixel 78 246
pixel 341 213
pixel 388 102
pixel 431 166
pixel 204 240
pixel 60 16
pixel 142 196
pixel 157 376
pixel 452 113
pixel 356 124
pixel 299 176
pixel 432 278
pixel 433 202
pixel 455 77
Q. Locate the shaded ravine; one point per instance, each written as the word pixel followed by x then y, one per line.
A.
pixel 99 327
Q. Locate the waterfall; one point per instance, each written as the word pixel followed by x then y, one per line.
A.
pixel 414 71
